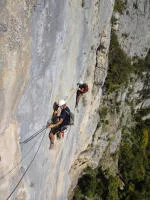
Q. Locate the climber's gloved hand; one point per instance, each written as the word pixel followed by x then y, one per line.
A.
pixel 52 125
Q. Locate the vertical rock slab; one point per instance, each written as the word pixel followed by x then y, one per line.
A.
pixel 15 58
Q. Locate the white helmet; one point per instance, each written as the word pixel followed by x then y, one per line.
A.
pixel 62 102
pixel 81 82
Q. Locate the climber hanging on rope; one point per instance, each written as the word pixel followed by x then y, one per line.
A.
pixel 59 123
pixel 55 115
pixel 55 118
pixel 82 88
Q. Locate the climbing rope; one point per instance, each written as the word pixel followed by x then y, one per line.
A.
pixel 27 140
pixel 34 135
pixel 23 158
pixel 27 168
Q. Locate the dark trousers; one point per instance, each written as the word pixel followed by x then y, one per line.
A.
pixel 78 95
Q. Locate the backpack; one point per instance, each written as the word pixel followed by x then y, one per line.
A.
pixel 71 119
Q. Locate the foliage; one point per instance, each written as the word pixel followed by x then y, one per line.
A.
pixel 134 168
pixel 142 64
pixel 112 189
pixel 134 160
pixel 119 65
pixel 134 155
pixel 93 185
pixel 83 3
pixel 120 6
pixel 103 112
pixel 90 185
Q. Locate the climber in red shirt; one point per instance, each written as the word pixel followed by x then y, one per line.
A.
pixel 82 88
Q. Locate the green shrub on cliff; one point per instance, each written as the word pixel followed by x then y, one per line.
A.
pixel 120 68
pixel 142 65
pixel 93 185
pixel 112 188
pixel 120 6
pixel 119 65
pixel 134 161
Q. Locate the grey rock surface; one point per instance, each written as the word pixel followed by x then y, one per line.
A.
pixel 134 28
pixel 65 36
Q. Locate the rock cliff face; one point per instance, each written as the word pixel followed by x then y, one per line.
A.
pixel 134 28
pixel 46 48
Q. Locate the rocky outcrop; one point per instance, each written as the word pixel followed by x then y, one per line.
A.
pixel 119 107
pixel 134 27
pixel 15 58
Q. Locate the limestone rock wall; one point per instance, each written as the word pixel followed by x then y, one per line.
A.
pixel 50 46
pixel 15 59
pixel 134 28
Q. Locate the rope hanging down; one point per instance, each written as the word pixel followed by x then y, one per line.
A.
pixel 44 128
pixel 23 158
pixel 26 169
pixel 34 135
pixel 24 142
